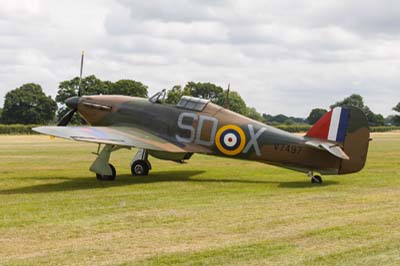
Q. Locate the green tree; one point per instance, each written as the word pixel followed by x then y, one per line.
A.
pixel 90 85
pixel 175 94
pixel 204 90
pixel 378 120
pixel 389 120
pixel 374 119
pixel 214 93
pixel 129 87
pixel 28 104
pixel 252 113
pixel 1 111
pixel 315 115
pixel 357 101
pixel 397 108
pixel 282 119
pixel 396 118
pixel 353 100
pixel 275 120
pixel 236 102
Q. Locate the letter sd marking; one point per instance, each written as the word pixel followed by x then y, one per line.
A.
pixel 230 140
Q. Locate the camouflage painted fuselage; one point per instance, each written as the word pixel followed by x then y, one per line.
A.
pixel 221 132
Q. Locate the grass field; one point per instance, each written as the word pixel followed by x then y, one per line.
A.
pixel 211 211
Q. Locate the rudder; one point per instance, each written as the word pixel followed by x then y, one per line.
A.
pixel 356 142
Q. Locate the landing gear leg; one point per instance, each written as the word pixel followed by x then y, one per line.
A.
pixel 315 178
pixel 140 164
pixel 104 170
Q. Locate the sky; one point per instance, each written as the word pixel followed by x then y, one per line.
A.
pixel 286 56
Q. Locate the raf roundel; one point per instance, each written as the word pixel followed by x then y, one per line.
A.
pixel 230 140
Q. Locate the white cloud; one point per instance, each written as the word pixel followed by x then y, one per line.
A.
pixel 282 56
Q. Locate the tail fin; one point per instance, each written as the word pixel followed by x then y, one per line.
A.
pixel 332 126
pixel 347 126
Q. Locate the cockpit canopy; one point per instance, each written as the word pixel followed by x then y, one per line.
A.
pixel 192 103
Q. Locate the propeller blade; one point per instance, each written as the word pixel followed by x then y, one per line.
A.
pixel 80 75
pixel 66 118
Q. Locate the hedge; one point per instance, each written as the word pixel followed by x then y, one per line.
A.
pixel 384 128
pixel 27 129
pixel 17 129
pixel 294 128
pixel 305 128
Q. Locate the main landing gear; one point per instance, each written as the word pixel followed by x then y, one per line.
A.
pixel 108 177
pixel 104 170
pixel 315 178
pixel 140 164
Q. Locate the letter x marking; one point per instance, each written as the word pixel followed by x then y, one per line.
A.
pixel 253 140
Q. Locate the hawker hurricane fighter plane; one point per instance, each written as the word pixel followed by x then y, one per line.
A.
pixel 336 144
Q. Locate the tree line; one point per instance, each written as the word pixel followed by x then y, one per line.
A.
pixel 28 104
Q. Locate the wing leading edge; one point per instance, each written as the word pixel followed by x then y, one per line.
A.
pixel 121 136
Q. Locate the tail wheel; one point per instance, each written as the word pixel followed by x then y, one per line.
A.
pixel 108 177
pixel 316 179
pixel 140 168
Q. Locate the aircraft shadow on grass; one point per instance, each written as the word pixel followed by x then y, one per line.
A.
pixel 72 184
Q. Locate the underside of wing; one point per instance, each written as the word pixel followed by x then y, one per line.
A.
pixel 332 148
pixel 121 136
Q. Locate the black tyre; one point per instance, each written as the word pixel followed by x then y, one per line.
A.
pixel 139 168
pixel 316 179
pixel 107 177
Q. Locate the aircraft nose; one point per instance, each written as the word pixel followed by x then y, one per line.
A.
pixel 72 102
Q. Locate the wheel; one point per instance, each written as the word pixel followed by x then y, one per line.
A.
pixel 108 177
pixel 316 179
pixel 140 167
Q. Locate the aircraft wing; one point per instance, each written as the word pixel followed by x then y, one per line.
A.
pixel 120 136
pixel 332 148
